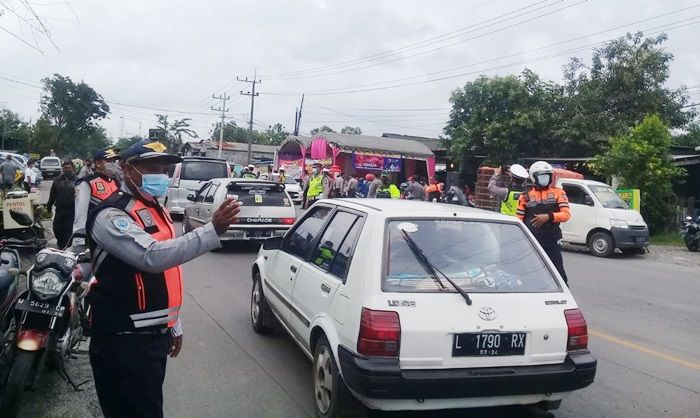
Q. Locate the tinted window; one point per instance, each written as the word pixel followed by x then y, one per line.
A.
pixel 202 170
pixel 327 254
pixel 575 194
pixel 209 198
pixel 299 241
pixel 50 163
pixel 259 194
pixel 202 192
pixel 480 257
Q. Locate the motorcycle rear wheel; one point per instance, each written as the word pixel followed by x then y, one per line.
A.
pixel 691 243
pixel 17 382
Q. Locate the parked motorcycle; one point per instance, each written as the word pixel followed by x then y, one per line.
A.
pixel 32 236
pixel 691 233
pixel 49 317
pixel 10 266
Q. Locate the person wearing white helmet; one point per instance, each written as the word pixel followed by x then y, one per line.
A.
pixel 542 208
pixel 510 195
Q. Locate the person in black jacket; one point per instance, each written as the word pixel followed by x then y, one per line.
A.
pixel 62 195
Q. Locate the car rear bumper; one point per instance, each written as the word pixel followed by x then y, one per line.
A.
pixel 245 234
pixel 632 237
pixel 383 378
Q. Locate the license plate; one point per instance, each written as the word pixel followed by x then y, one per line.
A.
pixel 36 306
pixel 639 240
pixel 263 233
pixel 488 344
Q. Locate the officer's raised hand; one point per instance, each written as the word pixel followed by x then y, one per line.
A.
pixel 225 215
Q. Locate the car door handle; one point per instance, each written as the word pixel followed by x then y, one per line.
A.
pixel 293 269
pixel 325 288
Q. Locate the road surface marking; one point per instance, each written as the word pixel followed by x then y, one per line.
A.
pixel 683 362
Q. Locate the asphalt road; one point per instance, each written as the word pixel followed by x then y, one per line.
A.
pixel 642 313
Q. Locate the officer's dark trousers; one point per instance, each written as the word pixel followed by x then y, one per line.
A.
pixel 63 225
pixel 129 370
pixel 553 250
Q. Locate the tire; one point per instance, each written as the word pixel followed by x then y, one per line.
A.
pixel 16 382
pixel 332 398
pixel 601 244
pixel 258 307
pixel 691 243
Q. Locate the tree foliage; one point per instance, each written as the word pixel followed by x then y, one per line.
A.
pixel 175 131
pixel 272 135
pixel 14 132
pixel 72 110
pixel 351 130
pixel 641 159
pixel 124 143
pixel 323 128
pixel 690 137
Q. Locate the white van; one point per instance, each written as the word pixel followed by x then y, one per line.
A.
pixel 601 220
pixel 50 167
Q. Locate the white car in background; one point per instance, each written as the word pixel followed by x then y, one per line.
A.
pixel 266 208
pixel 292 186
pixel 407 305
pixel 188 177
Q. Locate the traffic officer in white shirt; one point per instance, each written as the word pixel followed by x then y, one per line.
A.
pixel 136 260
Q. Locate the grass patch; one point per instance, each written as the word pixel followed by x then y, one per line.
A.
pixel 667 238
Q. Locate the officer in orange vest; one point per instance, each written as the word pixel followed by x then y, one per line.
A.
pixel 136 258
pixel 93 189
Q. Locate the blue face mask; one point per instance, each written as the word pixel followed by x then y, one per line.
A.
pixel 155 185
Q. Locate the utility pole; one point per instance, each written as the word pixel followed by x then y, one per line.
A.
pixel 224 98
pixel 252 95
pixel 121 131
pixel 139 130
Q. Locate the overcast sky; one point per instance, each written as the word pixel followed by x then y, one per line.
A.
pixel 389 65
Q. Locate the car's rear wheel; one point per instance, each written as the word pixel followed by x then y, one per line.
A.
pixel 258 306
pixel 601 244
pixel 331 397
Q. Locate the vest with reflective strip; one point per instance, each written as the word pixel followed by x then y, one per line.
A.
pixel 100 189
pixel 315 186
pixel 509 205
pixel 542 202
pixel 124 298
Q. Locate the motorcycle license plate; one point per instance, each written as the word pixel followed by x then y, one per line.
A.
pixel 37 306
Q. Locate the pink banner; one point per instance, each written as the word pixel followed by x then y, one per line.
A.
pixel 368 162
pixel 292 167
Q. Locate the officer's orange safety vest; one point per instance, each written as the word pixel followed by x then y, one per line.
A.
pixel 100 189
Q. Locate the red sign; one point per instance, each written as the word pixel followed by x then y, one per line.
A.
pixel 368 162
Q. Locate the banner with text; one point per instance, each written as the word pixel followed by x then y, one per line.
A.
pixel 368 162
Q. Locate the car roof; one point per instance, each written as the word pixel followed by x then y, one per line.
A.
pixel 583 181
pixel 242 180
pixel 212 159
pixel 50 157
pixel 402 208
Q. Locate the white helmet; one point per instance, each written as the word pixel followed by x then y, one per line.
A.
pixel 516 170
pixel 538 168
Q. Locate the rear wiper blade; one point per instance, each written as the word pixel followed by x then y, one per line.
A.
pixel 431 268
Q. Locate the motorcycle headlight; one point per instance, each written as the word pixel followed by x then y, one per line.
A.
pixel 618 223
pixel 47 285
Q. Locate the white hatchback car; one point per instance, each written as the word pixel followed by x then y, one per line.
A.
pixel 409 305
pixel 266 208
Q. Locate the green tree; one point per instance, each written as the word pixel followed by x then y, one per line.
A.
pixel 504 118
pixel 175 131
pixel 351 130
pixel 14 132
pixel 641 159
pixel 690 137
pixel 323 128
pixel 625 81
pixel 274 134
pixel 73 109
pixel 124 143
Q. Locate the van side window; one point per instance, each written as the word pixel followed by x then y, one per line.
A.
pixel 575 193
pixel 331 254
pixel 299 241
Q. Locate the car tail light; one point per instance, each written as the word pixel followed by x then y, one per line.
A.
pixel 287 221
pixel 380 333
pixel 578 330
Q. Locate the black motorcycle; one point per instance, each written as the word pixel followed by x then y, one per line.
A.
pixel 32 236
pixel 49 315
pixel 10 266
pixel 691 233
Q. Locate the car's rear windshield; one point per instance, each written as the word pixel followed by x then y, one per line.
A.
pixel 287 179
pixel 203 170
pixel 479 256
pixel 51 163
pixel 252 194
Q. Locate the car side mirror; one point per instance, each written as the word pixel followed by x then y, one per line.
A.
pixel 274 243
pixel 190 197
pixel 588 200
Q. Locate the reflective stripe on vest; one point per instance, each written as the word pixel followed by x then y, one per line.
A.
pixel 101 189
pixel 315 186
pixel 509 205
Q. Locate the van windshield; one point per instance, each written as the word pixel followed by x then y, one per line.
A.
pixel 50 163
pixel 203 170
pixel 259 194
pixel 480 257
pixel 608 198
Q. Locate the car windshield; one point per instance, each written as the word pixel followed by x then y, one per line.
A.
pixel 259 194
pixel 480 257
pixel 203 170
pixel 608 198
pixel 287 179
pixel 50 163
